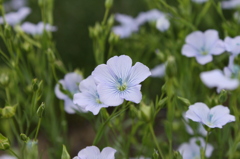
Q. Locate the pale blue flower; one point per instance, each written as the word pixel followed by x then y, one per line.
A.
pixel 154 15
pixel 70 85
pixel 230 4
pixel 127 27
pixel 14 18
pixel 92 152
pixel 141 157
pixel 203 45
pixel 199 1
pixel 215 117
pixel 37 29
pixel 216 78
pixel 192 150
pixel 14 4
pixel 88 98
pixel 158 71
pixel 118 80
pixel 232 45
pixel 7 157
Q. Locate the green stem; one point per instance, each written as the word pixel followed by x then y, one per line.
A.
pixel 105 16
pixel 38 126
pixel 155 140
pixel 205 147
pixel 10 150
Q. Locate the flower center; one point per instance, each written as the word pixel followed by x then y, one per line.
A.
pixel 203 51
pixel 98 101
pixel 121 86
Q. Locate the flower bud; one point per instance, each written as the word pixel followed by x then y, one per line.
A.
pixel 4 79
pixel 171 69
pixel 108 3
pixel 7 31
pixel 40 110
pixel 35 85
pixel 222 96
pixel 110 21
pixel 7 112
pixel 24 137
pixel 113 38
pixel 145 112
pixel 65 154
pixel 4 143
pixel 155 154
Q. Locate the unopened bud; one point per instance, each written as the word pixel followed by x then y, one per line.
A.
pixel 222 96
pixel 24 137
pixel 4 143
pixel 145 112
pixel 171 69
pixel 155 154
pixel 110 21
pixel 41 110
pixel 108 3
pixel 113 38
pixel 35 85
pixel 4 79
pixel 7 112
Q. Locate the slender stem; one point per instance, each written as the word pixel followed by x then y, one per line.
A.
pixel 38 126
pixel 10 150
pixel 105 16
pixel 205 147
pixel 155 140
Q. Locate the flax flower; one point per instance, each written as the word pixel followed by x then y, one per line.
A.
pixel 92 152
pixel 37 29
pixel 202 45
pixel 118 80
pixel 215 117
pixel 88 98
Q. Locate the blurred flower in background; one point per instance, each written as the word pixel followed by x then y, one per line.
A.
pixel 158 71
pixel 192 150
pixel 37 29
pixel 199 1
pixel 7 157
pixel 14 4
pixel 14 18
pixel 230 4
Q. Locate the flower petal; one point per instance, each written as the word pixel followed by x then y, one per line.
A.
pixel 70 107
pixel 89 152
pixel 204 59
pixel 220 116
pixel 217 48
pixel 103 74
pixel 195 39
pixel 133 94
pixel 108 153
pixel 109 95
pixel 189 50
pixel 139 72
pixel 158 71
pixel 210 38
pixel 58 92
pixel 88 85
pixel 120 66
pixel 72 81
pixel 198 112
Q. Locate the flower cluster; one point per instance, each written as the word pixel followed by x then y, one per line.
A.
pixel 130 25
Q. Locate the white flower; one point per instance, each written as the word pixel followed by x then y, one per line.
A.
pixel 36 29
pixel 215 117
pixel 230 4
pixel 192 150
pixel 232 45
pixel 199 1
pixel 92 152
pixel 158 71
pixel 203 45
pixel 127 27
pixel 88 98
pixel 70 84
pixel 14 18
